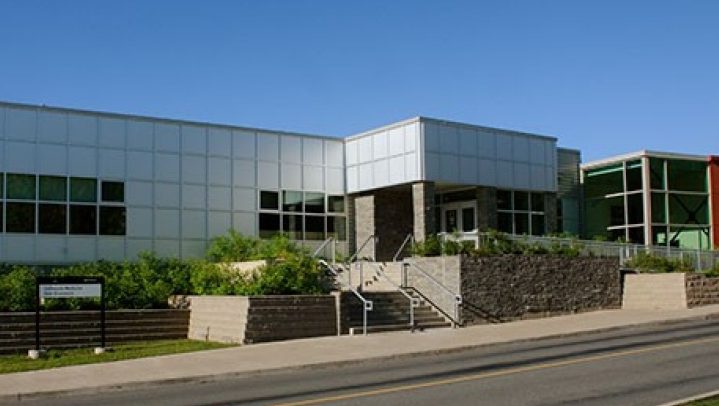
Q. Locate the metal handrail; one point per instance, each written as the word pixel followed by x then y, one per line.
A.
pixel 413 301
pixel 354 256
pixel 367 305
pixel 410 237
pixel 457 298
pixel 323 246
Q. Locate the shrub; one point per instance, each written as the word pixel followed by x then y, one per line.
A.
pixel 17 289
pixel 233 247
pixel 654 263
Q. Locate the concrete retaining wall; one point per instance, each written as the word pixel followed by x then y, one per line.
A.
pixel 82 329
pixel 253 319
pixel 446 271
pixel 653 291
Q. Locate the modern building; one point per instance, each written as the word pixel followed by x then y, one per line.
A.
pixel 83 185
pixel 653 198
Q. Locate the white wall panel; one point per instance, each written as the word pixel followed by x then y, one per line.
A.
pixel 244 199
pixel 448 167
pixel 81 249
pixel 52 127
pixel 291 149
pixel 291 176
pixel 139 165
pixel 82 161
pixel 244 223
pixel 536 174
pixel 20 124
pixel 244 172
pixel 520 148
pixel 431 137
pixel 112 164
pixel 194 140
pixel 82 129
pixel 219 198
pixel 138 193
pixel 505 174
pixel 218 223
pixel 20 157
pixel 313 151
pixel 396 141
pixel 396 169
pixel 140 135
pixel 167 167
pixel 193 197
pixel 468 142
pixel 167 223
pixel 136 246
pixel 268 175
pixel 112 133
pixel 335 153
pixel 243 144
pixel 220 142
pixel 352 152
pixel 193 224
pixel 521 176
pixel 365 176
pixel 504 147
pixel 2 163
pixel 194 169
pixel 352 178
pixel 50 248
pixel 431 166
pixel 220 171
pixel 410 167
pixel 536 151
pixel 268 147
pixel 139 222
pixel 19 247
pixel 381 173
pixel 487 145
pixel 487 172
pixel 380 147
pixel 167 137
pixel 411 135
pixel 550 178
pixel 167 194
pixel 313 178
pixel 468 170
pixel 111 249
pixel 167 248
pixel 193 249
pixel 365 149
pixel 51 159
pixel 448 140
pixel 335 180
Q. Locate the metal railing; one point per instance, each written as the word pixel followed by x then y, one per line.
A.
pixel 323 247
pixel 364 244
pixel 409 238
pixel 367 305
pixel 413 301
pixel 455 297
pixel 700 259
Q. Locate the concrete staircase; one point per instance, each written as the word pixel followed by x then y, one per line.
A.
pixel 390 313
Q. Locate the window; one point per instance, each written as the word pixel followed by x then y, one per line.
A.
pixel 20 187
pixel 269 225
pixel 83 190
pixel 112 220
pixel 520 212
pixel 269 200
pixel 314 227
pixel 83 220
pixel 337 227
pixel 52 218
pixel 113 192
pixel 292 201
pixel 538 202
pixel 53 188
pixel 504 200
pixel 314 203
pixel 20 217
pixel 292 226
pixel 335 204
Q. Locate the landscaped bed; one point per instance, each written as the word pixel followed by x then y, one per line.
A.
pixel 63 358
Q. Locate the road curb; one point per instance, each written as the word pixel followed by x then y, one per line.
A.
pixel 20 397
pixel 692 399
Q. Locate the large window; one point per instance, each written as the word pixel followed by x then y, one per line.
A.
pixel 520 212
pixel 61 205
pixel 302 215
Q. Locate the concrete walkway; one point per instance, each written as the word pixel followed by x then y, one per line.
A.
pixel 319 351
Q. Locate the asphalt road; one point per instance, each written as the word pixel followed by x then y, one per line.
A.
pixel 633 366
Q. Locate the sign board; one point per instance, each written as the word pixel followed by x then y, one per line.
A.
pixel 68 287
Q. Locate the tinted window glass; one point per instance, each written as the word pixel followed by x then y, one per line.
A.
pixel 314 228
pixel 53 188
pixel 336 204
pixel 83 220
pixel 112 220
pixel 337 227
pixel 269 224
pixel 113 192
pixel 83 190
pixel 269 200
pixel 504 200
pixel 292 201
pixel 20 186
pixel 314 203
pixel 52 218
pixel 292 226
pixel 538 202
pixel 20 217
pixel 521 201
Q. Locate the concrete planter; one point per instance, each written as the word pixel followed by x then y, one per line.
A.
pixel 667 291
pixel 252 319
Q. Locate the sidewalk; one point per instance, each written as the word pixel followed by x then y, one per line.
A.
pixel 318 351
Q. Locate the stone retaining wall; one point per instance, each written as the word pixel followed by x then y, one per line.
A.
pixel 253 319
pixel 510 287
pixel 701 291
pixel 82 328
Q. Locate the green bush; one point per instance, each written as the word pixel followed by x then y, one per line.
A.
pixel 17 289
pixel 653 263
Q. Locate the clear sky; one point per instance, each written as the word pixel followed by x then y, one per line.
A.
pixel 606 77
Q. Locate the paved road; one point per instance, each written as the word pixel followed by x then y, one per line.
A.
pixel 633 366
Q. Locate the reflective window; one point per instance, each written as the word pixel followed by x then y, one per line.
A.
pixel 314 228
pixel 112 220
pixel 21 187
pixel 337 227
pixel 20 217
pixel 83 190
pixel 538 202
pixel 521 201
pixel 291 201
pixel 269 224
pixel 52 218
pixel 113 191
pixel 314 202
pixel 269 200
pixel 292 226
pixel 83 219
pixel 504 200
pixel 335 204
pixel 53 188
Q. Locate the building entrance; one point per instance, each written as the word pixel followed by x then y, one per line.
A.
pixel 459 216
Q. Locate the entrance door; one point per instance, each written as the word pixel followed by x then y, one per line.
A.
pixel 459 216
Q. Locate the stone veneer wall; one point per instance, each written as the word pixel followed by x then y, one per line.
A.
pixel 393 220
pixel 253 319
pixel 509 287
pixel 701 290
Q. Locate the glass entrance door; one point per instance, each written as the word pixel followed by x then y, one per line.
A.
pixel 459 216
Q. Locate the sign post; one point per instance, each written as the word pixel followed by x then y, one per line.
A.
pixel 64 287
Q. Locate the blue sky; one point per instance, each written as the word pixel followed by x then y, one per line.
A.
pixel 606 77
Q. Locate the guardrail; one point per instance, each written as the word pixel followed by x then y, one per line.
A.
pixel 410 237
pixel 366 304
pixel 413 301
pixel 455 297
